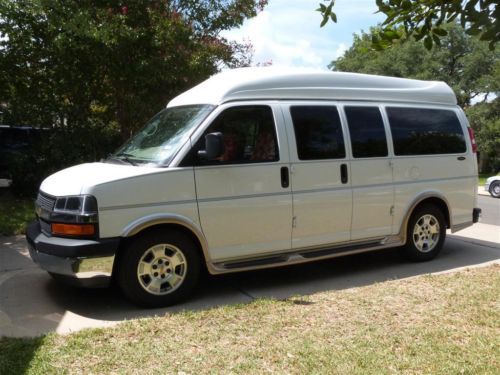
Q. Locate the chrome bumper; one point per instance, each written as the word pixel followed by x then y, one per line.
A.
pixel 81 266
pixel 88 272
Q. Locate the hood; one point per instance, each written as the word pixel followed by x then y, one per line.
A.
pixel 81 178
pixel 492 178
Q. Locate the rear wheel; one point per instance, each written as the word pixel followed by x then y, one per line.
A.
pixel 495 189
pixel 159 268
pixel 426 233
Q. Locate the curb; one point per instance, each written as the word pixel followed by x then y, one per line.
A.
pixel 481 191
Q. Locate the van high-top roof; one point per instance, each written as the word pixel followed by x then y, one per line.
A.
pixel 278 84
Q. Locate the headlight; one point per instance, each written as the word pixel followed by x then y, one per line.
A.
pixel 80 205
pixel 70 216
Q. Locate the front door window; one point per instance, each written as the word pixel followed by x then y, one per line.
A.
pixel 249 135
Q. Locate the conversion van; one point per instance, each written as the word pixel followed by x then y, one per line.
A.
pixel 258 168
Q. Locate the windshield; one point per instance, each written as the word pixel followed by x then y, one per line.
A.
pixel 159 140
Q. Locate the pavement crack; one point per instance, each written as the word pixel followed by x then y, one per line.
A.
pixel 244 292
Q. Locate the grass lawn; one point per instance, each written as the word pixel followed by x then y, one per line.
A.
pixel 14 213
pixel 439 324
pixel 482 178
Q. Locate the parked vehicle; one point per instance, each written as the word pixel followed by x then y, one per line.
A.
pixel 15 141
pixel 258 168
pixel 492 186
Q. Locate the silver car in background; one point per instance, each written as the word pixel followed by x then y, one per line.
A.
pixel 493 186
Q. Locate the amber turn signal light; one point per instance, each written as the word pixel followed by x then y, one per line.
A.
pixel 73 229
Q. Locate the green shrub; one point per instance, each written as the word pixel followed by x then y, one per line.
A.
pixel 60 148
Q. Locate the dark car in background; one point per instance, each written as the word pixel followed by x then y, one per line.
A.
pixel 16 141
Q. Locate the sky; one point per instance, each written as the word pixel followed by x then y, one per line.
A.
pixel 287 32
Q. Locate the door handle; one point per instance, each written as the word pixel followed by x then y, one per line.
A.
pixel 343 173
pixel 285 177
pixel 461 158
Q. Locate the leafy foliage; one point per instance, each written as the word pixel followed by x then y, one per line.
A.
pixel 485 119
pixel 424 20
pixel 463 62
pixel 15 213
pixel 100 68
pixel 66 61
pixel 327 12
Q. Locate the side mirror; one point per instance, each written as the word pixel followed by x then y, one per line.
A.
pixel 214 146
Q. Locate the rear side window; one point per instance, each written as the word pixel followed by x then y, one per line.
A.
pixel 318 132
pixel 366 129
pixel 425 131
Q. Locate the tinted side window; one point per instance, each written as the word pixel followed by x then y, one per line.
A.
pixel 318 132
pixel 366 129
pixel 424 131
pixel 16 138
pixel 249 135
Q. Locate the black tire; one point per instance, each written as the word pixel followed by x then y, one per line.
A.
pixel 425 234
pixel 143 286
pixel 495 189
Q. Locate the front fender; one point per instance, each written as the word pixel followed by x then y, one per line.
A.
pixel 139 225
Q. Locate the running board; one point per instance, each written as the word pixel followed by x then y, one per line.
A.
pixel 303 256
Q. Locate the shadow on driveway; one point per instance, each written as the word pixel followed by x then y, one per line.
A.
pixel 31 303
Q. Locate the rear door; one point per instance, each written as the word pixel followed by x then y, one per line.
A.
pixel 322 196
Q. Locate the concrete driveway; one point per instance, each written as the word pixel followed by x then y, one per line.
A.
pixel 31 303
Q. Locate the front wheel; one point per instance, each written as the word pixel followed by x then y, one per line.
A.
pixel 425 234
pixel 495 189
pixel 159 268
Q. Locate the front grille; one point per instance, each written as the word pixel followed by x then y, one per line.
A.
pixel 46 202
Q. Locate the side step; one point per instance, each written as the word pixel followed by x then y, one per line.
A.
pixel 256 262
pixel 302 256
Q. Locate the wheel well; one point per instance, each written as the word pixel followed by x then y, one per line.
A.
pixel 440 204
pixel 170 226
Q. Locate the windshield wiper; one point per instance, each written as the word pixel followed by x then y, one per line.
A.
pixel 124 156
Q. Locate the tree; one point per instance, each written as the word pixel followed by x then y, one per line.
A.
pixel 94 71
pixel 462 61
pixel 71 63
pixel 424 19
pixel 485 119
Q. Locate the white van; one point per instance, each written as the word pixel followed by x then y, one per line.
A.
pixel 258 168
